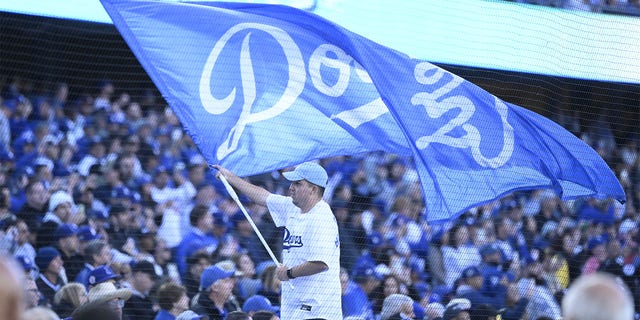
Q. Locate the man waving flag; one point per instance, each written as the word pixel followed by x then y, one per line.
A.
pixel 260 87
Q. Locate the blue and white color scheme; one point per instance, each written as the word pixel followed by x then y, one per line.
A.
pixel 262 87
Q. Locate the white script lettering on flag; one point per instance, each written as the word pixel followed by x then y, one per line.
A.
pixel 333 57
pixel 436 109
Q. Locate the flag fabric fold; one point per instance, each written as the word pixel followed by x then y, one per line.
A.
pixel 261 87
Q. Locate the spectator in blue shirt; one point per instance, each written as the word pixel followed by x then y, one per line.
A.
pixel 471 283
pixel 355 301
pixel 198 238
pixel 492 269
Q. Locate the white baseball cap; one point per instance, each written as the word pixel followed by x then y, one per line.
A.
pixel 309 171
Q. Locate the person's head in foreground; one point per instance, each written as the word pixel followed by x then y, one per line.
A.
pixel 11 291
pixel 397 306
pixel 172 297
pixel 457 309
pixel 39 313
pixel 96 310
pixel 265 315
pixel 597 296
pixel 108 293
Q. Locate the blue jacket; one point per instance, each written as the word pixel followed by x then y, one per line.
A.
pixel 476 297
pixel 356 303
pixel 194 240
pixel 164 315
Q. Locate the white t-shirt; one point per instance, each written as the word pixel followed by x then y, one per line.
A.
pixel 312 236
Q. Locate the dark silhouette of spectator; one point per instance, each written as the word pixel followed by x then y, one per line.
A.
pixel 120 228
pixel 66 241
pixel 264 315
pixel 237 315
pixel 100 310
pixel 49 261
pixel 196 264
pixel 348 249
pixel 247 238
pixel 515 303
pixel 140 305
pixel 33 211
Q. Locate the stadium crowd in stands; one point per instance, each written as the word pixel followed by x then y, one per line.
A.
pixel 622 7
pixel 106 203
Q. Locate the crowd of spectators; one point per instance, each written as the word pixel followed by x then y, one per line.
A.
pixel 622 7
pixel 105 199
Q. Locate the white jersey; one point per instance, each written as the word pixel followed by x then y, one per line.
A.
pixel 312 236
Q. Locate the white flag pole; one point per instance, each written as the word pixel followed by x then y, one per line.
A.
pixel 234 196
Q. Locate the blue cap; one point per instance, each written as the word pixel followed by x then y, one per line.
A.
pixel 98 214
pixel 26 263
pixel 309 171
pixel 422 288
pixel 101 274
pixel 44 257
pixel 87 233
pixel 435 297
pixel 470 272
pixel 212 274
pixel 143 179
pixel 363 271
pixel 258 303
pixel 489 249
pixel 60 170
pixel 65 230
pixel 120 192
pixel 238 217
pixel 161 169
pixel 595 241
pixel 6 155
pixel 220 219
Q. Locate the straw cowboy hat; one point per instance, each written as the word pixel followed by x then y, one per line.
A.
pixel 107 291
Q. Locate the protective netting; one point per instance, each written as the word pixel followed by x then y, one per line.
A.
pixel 97 170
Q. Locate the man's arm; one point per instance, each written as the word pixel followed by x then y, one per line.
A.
pixel 305 269
pixel 256 194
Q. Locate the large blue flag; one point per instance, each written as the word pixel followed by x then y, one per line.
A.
pixel 262 87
